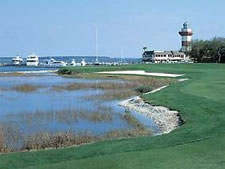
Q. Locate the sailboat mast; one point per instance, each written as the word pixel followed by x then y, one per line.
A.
pixel 96 44
pixel 121 55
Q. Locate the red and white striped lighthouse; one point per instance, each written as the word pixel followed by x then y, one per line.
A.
pixel 186 33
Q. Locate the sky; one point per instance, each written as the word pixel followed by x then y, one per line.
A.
pixel 68 27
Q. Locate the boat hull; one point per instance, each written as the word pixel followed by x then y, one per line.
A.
pixel 32 63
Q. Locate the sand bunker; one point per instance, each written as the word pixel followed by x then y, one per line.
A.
pixel 141 72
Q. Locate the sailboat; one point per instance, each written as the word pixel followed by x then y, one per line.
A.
pixel 83 62
pixel 73 63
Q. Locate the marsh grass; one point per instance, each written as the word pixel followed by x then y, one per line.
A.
pixel 126 133
pixel 2 141
pixel 70 87
pixel 89 76
pixel 138 129
pixel 127 86
pixel 117 94
pixel 98 85
pixel 154 82
pixel 127 82
pixel 67 116
pixel 133 121
pixel 10 137
pixel 96 117
pixel 12 74
pixel 112 95
pixel 45 140
pixel 26 88
pixel 11 140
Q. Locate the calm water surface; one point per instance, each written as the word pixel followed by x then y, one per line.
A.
pixel 34 112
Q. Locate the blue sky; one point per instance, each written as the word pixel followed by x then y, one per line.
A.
pixel 67 27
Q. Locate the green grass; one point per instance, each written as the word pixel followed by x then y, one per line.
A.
pixel 199 143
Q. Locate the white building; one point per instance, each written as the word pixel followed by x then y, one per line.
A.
pixel 164 57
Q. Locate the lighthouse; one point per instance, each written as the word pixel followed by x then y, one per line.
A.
pixel 186 34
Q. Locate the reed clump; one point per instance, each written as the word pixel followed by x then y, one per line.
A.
pixel 68 116
pixel 115 134
pixel 10 137
pixel 133 121
pixel 3 148
pixel 26 88
pixel 143 81
pixel 70 87
pixel 138 128
pixel 44 140
pixel 96 117
pixel 113 95
pixel 99 85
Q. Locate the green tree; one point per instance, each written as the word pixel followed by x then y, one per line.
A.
pixel 208 50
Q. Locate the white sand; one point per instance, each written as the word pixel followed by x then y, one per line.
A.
pixel 141 72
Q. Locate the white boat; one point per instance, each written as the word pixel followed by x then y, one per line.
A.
pixel 83 63
pixel 73 63
pixel 54 63
pixel 32 60
pixel 17 60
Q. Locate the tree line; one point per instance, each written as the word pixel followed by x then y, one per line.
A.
pixel 212 50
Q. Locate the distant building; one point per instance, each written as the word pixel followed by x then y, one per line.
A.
pixel 186 34
pixel 164 56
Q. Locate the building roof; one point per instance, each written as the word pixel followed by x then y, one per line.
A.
pixel 178 53
pixel 148 52
pixel 164 52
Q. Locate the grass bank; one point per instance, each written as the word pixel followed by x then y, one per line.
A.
pixel 199 143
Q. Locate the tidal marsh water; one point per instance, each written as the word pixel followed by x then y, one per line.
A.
pixel 52 111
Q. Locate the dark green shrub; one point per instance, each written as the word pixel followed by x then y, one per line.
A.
pixel 143 89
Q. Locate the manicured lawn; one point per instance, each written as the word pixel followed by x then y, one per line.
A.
pixel 199 143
